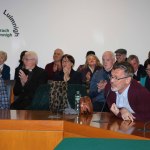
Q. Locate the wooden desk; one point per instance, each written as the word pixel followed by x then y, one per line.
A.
pixel 29 130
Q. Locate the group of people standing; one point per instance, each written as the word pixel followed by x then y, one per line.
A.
pixel 108 84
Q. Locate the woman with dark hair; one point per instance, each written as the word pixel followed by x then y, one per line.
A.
pixel 20 66
pixel 68 74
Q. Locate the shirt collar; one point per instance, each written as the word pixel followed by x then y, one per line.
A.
pixel 135 73
pixel 124 93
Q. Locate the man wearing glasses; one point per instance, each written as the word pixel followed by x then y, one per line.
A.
pixel 127 99
pixel 28 80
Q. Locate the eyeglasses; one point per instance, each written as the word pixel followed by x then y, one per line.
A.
pixel 65 61
pixel 27 59
pixel 117 79
pixel 118 55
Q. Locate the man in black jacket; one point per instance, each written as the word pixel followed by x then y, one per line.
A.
pixel 28 80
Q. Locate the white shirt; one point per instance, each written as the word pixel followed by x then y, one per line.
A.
pixel 135 73
pixel 122 100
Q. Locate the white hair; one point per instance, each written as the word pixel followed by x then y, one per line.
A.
pixel 32 55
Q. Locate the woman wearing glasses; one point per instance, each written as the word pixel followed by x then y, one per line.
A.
pixel 68 74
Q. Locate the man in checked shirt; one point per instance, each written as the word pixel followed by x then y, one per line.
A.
pixel 4 101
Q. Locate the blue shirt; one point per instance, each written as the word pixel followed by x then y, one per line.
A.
pixel 122 100
pixel 4 101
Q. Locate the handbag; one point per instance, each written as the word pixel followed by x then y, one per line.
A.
pixel 86 106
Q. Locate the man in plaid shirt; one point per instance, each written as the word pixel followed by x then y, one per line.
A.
pixel 4 101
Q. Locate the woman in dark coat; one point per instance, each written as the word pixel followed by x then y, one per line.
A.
pixel 68 74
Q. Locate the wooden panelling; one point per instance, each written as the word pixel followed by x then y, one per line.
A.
pixel 29 140
pixel 50 125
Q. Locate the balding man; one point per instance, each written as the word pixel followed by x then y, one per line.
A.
pixel 99 80
pixel 54 66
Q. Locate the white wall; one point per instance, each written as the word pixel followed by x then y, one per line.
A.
pixel 76 26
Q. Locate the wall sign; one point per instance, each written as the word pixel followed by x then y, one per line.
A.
pixel 5 32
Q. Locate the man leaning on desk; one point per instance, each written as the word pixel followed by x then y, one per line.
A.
pixel 126 98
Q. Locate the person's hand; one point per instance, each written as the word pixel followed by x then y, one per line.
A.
pixel 126 115
pixel 101 85
pixel 66 71
pixel 88 76
pixel 114 109
pixel 23 77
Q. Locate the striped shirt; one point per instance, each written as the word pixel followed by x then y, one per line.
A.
pixel 4 101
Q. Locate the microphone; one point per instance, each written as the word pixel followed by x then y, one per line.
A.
pixel 105 102
pixel 103 121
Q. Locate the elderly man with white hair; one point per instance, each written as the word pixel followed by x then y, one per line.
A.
pixel 99 80
pixel 28 80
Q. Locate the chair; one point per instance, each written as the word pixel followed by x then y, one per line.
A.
pixel 9 87
pixel 41 97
